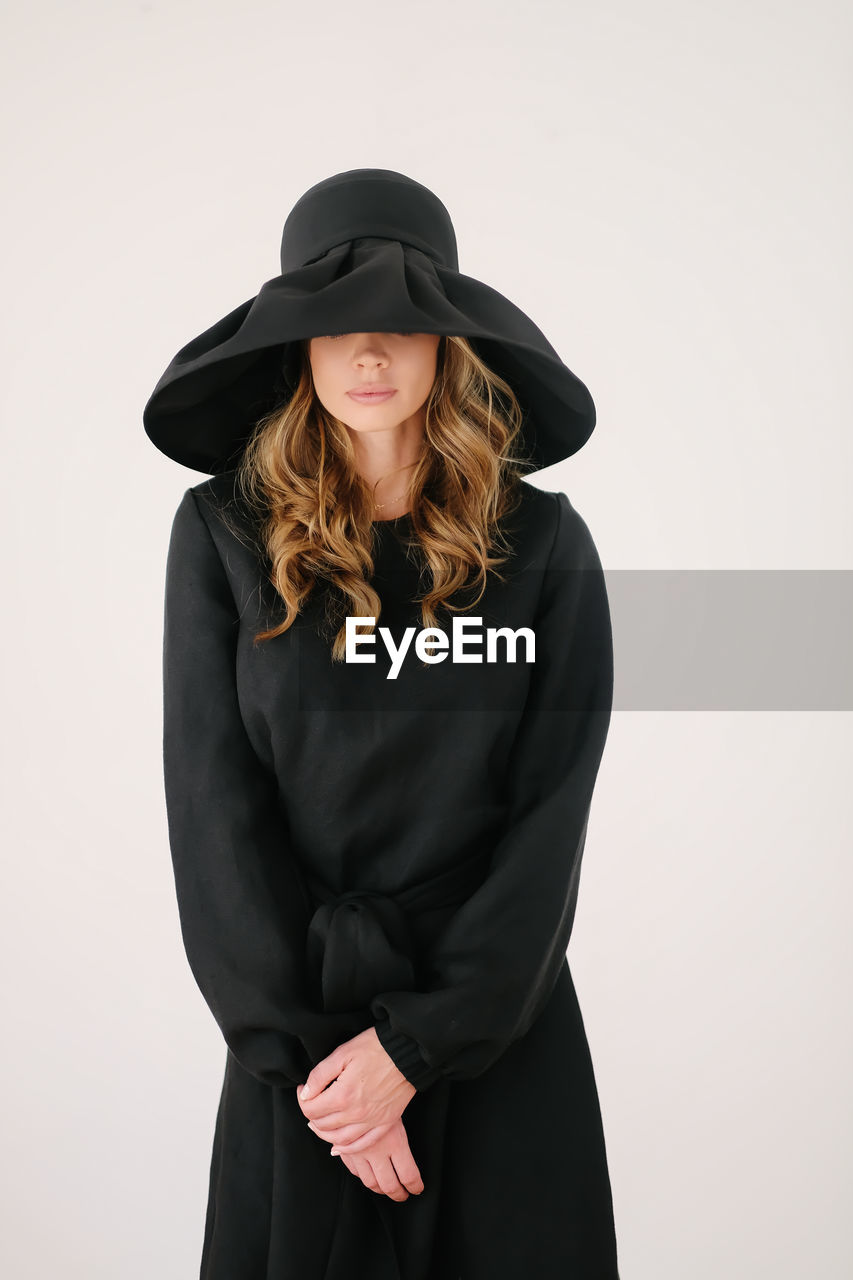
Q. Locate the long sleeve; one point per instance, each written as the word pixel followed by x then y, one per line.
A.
pixel 242 905
pixel 496 963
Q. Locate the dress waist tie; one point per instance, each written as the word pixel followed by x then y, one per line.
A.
pixel 363 942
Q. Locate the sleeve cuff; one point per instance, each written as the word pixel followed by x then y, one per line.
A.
pixel 406 1055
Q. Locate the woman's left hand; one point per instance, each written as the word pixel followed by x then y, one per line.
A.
pixel 355 1094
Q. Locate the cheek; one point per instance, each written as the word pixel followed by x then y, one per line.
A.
pixel 329 375
pixel 423 371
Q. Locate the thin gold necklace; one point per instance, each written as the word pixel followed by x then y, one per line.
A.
pixel 380 505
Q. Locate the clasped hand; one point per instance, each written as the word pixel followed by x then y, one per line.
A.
pixel 355 1094
pixel 354 1099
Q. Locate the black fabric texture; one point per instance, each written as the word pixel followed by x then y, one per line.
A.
pixel 367 250
pixel 353 851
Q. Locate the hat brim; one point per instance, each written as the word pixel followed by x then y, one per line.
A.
pixel 211 395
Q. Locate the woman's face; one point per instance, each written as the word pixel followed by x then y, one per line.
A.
pixel 403 363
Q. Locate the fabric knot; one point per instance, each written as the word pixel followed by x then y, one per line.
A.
pixel 358 945
pixel 361 942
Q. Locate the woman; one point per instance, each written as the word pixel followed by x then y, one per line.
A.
pixel 387 690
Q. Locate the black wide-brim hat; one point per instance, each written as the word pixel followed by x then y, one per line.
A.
pixel 368 251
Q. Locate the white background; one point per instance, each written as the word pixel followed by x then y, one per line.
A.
pixel 666 189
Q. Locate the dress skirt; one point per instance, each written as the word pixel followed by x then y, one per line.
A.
pixel 514 1167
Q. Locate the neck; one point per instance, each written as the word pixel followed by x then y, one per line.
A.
pixel 386 461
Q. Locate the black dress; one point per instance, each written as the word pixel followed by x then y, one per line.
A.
pixel 352 849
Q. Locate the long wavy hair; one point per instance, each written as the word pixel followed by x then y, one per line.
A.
pixel 313 511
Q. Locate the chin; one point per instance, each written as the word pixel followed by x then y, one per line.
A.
pixel 372 418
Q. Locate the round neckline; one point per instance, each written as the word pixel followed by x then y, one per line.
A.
pixel 395 520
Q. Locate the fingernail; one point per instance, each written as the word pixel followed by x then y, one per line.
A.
pixel 335 1151
pixel 305 1091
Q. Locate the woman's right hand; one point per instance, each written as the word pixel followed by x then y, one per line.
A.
pixel 388 1166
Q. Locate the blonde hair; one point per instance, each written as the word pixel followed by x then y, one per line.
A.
pixel 313 511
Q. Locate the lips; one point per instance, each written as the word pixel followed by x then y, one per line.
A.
pixel 372 394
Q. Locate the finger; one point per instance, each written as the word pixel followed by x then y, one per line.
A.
pixel 333 1136
pixel 327 1070
pixel 407 1170
pixel 350 1162
pixel 333 1105
pixel 363 1140
pixel 327 1107
pixel 363 1170
pixel 386 1176
pixel 360 1169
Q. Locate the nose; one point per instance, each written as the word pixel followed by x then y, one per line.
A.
pixel 370 348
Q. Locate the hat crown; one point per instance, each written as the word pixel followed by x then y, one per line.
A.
pixel 367 203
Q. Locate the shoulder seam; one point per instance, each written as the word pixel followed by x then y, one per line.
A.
pixel 557 524
pixel 550 554
pixel 203 518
